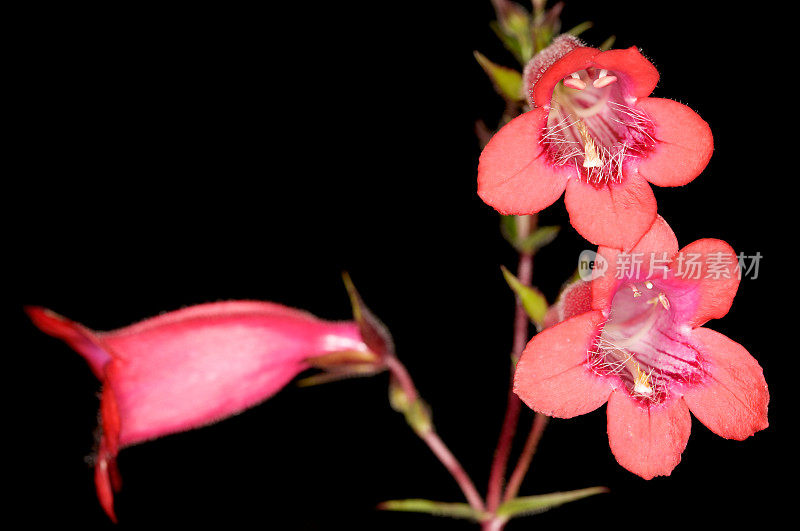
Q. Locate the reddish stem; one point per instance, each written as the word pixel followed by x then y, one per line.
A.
pixel 452 465
pixel 400 373
pixel 434 442
pixel 514 483
pixel 521 320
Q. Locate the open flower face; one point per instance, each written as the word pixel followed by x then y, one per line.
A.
pixel 637 342
pixel 195 366
pixel 593 132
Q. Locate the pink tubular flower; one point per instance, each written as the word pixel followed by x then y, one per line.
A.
pixel 196 366
pixel 637 342
pixel 593 131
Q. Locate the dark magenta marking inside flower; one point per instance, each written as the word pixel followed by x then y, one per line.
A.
pixel 593 125
pixel 645 341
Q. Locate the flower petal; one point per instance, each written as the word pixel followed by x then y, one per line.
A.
pixel 104 471
pixel 77 336
pixel 193 367
pixel 106 474
pixel 614 214
pixel 658 240
pixel 638 75
pixel 716 276
pixel 732 401
pixel 514 174
pixel 578 59
pixel 645 438
pixel 552 376
pixel 683 143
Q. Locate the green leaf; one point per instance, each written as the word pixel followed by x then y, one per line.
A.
pixel 543 502
pixel 507 81
pixel 541 237
pixel 511 43
pixel 532 299
pixel 452 510
pixel 608 43
pixel 580 28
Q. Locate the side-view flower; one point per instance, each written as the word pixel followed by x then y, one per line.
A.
pixel 196 366
pixel 578 121
pixel 633 337
pixel 593 131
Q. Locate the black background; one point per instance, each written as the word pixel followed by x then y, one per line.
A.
pixel 171 156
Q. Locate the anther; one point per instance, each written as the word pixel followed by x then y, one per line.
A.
pixel 660 299
pixel 574 82
pixel 603 79
pixel 636 292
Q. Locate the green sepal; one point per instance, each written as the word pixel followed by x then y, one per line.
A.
pixel 532 300
pixel 451 510
pixel 373 332
pixel 528 505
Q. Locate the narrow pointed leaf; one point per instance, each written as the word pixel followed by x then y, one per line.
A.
pixel 541 237
pixel 608 43
pixel 543 502
pixel 452 510
pixel 532 299
pixel 507 81
pixel 511 43
pixel 580 28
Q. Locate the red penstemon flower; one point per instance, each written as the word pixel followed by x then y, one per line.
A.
pixel 636 341
pixel 195 366
pixel 593 131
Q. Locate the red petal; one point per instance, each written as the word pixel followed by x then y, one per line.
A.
pixel 659 240
pixel 514 175
pixel 647 439
pixel 103 472
pixel 614 215
pixel 715 295
pixel 552 376
pixel 683 143
pixel 732 400
pixel 106 475
pixel 577 59
pixel 196 366
pixel 77 336
pixel 638 75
